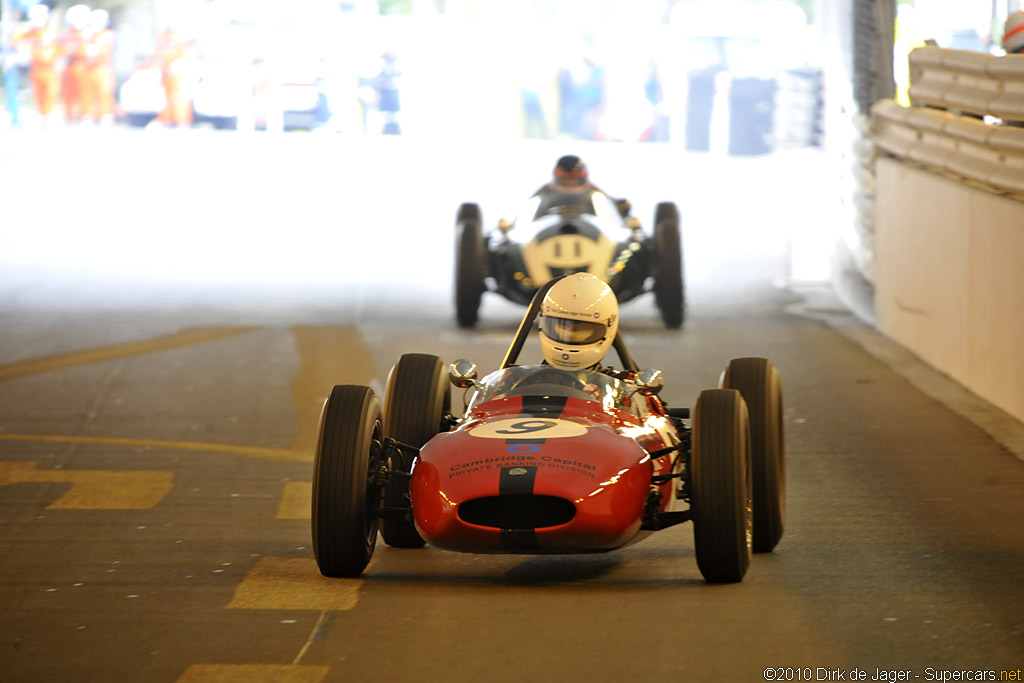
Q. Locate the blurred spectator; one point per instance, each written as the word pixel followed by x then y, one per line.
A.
pixel 171 58
pixel 581 94
pixel 386 85
pixel 533 113
pixel 534 78
pixel 367 95
pixel 73 46
pixel 701 89
pixel 11 83
pixel 43 47
pixel 591 97
pixel 655 94
pixel 99 73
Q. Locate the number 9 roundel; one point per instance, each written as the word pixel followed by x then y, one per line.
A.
pixel 528 428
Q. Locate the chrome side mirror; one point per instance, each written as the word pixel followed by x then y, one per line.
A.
pixel 462 373
pixel 650 380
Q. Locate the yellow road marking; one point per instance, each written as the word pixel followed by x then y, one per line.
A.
pixel 95 489
pixel 273 454
pixel 293 583
pixel 295 500
pixel 253 673
pixel 184 338
pixel 329 356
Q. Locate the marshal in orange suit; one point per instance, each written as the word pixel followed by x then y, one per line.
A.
pixel 40 41
pixel 171 57
pixel 99 79
pixel 73 45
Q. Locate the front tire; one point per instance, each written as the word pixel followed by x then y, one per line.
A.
pixel 415 403
pixel 720 486
pixel 759 383
pixel 470 264
pixel 346 496
pixel 669 285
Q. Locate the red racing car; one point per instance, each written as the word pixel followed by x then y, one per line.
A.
pixel 546 460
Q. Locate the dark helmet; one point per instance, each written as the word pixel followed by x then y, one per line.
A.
pixel 570 170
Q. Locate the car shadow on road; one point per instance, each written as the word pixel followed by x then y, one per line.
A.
pixel 639 567
pixel 549 569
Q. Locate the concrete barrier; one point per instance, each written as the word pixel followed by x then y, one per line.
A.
pixel 949 220
pixel 949 281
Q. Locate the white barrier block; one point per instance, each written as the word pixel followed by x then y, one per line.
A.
pixel 1009 142
pixel 929 79
pixel 1009 103
pixel 934 146
pixel 889 128
pixel 975 159
pixel 973 87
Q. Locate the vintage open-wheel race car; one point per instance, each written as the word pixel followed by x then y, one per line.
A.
pixel 560 232
pixel 546 460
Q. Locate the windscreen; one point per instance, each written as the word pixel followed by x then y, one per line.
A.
pixel 545 380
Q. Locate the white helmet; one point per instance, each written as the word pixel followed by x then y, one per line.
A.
pixel 578 323
pixel 38 15
pixel 1013 35
pixel 99 19
pixel 77 16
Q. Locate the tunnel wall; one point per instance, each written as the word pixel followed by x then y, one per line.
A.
pixel 949 278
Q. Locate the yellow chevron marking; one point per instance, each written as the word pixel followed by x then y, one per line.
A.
pixel 253 673
pixel 293 583
pixel 295 500
pixel 95 489
pixel 273 454
pixel 178 339
pixel 329 356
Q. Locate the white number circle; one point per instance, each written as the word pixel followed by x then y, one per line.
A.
pixel 529 428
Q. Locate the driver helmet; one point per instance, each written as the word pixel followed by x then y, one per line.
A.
pixel 578 321
pixel 1013 34
pixel 570 170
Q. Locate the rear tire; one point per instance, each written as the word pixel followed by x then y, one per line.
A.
pixel 346 498
pixel 758 381
pixel 416 400
pixel 470 264
pixel 720 486
pixel 669 285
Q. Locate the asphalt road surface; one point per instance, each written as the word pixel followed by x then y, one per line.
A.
pixel 175 307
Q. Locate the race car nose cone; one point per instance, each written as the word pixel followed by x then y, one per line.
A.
pixel 583 491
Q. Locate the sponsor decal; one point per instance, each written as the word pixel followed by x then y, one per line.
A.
pixel 514 481
pixel 499 460
pixel 567 462
pixel 527 462
pixel 523 448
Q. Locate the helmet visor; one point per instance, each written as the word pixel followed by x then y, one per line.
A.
pixel 575 332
